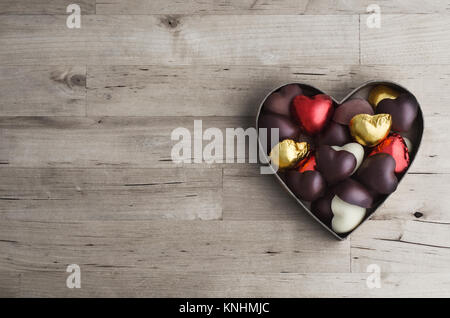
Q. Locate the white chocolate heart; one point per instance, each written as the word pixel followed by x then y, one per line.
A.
pixel 355 149
pixel 408 144
pixel 346 216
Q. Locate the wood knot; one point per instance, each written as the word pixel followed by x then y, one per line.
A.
pixel 170 21
pixel 418 214
pixel 78 80
pixel 68 78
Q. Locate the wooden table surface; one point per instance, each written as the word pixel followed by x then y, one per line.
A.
pixel 85 167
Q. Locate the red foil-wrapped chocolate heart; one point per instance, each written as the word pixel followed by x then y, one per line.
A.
pixel 308 164
pixel 313 113
pixel 396 147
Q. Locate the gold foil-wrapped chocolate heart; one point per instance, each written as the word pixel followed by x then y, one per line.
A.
pixel 380 92
pixel 370 130
pixel 288 153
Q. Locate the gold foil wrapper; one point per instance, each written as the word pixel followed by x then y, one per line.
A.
pixel 370 130
pixel 380 92
pixel 288 153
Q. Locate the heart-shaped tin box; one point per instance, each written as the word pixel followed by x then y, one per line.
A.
pixel 407 129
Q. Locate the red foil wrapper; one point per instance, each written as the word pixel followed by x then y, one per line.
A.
pixel 313 113
pixel 395 146
pixel 308 164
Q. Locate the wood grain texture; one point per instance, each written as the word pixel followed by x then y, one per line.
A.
pixel 96 142
pixel 169 40
pixel 110 194
pixel 143 283
pixel 108 141
pixel 200 247
pixel 267 7
pixel 86 117
pixel 402 246
pixel 193 90
pixel 148 90
pixel 406 39
pixel 44 6
pixel 42 91
pixel 411 201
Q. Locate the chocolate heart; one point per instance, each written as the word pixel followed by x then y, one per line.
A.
pixel 287 129
pixel 313 113
pixel 370 130
pixel 380 92
pixel 343 207
pixel 346 216
pixel 355 149
pixel 321 207
pixel 395 146
pixel 344 113
pixel 353 192
pixel 334 135
pixel 377 172
pixel 280 101
pixel 334 165
pixel 403 110
pixel 308 185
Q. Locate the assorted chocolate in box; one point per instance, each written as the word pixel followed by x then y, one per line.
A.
pixel 341 160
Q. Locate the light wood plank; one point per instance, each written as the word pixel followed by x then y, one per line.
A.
pixel 417 197
pixel 94 142
pixel 267 7
pixel 168 40
pixel 148 90
pixel 200 91
pixel 197 90
pixel 110 194
pixel 42 91
pixel 144 283
pixel 44 6
pixel 268 200
pixel 406 39
pixel 166 247
pixel 146 141
pixel 402 246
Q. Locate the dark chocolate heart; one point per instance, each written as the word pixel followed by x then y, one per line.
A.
pixel 287 129
pixel 308 185
pixel 344 113
pixel 334 135
pixel 334 165
pixel 353 192
pixel 377 172
pixel 321 208
pixel 280 102
pixel 403 110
